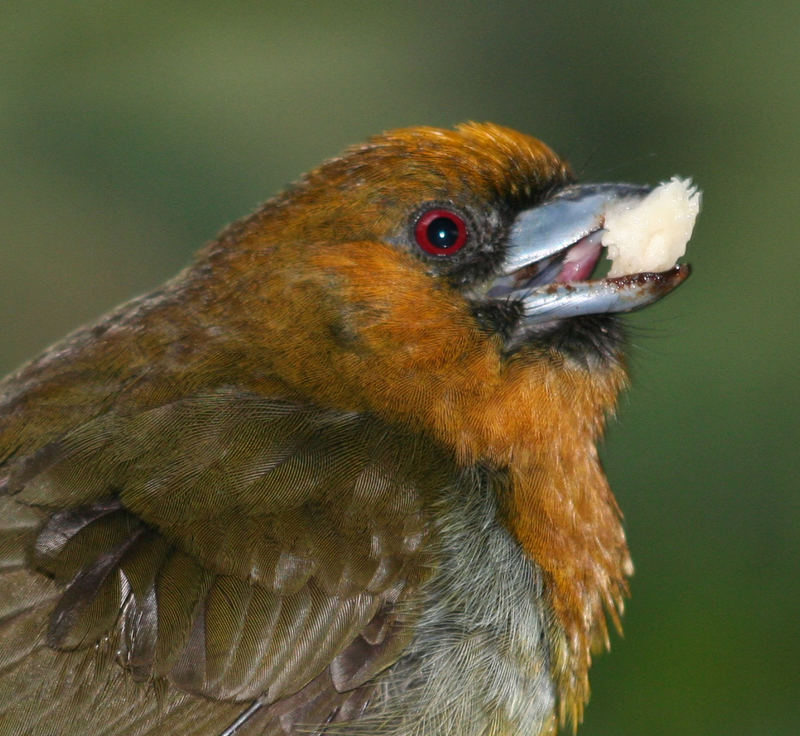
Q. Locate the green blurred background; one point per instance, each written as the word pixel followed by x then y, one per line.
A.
pixel 130 132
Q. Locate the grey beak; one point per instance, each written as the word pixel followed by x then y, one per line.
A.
pixel 538 241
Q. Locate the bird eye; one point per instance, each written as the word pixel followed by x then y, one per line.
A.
pixel 440 232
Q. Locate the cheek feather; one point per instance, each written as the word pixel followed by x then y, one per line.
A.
pixel 416 348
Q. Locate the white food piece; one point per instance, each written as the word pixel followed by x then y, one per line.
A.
pixel 650 234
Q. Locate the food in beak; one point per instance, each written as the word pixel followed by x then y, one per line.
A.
pixel 649 234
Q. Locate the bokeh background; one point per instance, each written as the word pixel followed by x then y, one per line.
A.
pixel 130 132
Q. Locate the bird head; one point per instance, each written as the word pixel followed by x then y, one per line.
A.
pixel 418 272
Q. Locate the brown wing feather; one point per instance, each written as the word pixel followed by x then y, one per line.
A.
pixel 223 545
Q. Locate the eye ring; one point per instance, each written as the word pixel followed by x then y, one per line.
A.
pixel 440 232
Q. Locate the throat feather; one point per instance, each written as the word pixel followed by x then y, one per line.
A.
pixel 543 423
pixel 564 516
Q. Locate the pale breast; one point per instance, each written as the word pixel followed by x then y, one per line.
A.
pixel 480 661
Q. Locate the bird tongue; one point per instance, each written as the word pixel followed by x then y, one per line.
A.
pixel 581 259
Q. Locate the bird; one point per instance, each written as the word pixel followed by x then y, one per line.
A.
pixel 340 474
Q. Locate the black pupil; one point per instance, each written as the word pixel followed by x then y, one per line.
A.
pixel 442 232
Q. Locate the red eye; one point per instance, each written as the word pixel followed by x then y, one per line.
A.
pixel 440 232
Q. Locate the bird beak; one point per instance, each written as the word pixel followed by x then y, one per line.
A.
pixel 552 250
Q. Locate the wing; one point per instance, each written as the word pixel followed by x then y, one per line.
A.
pixel 161 569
